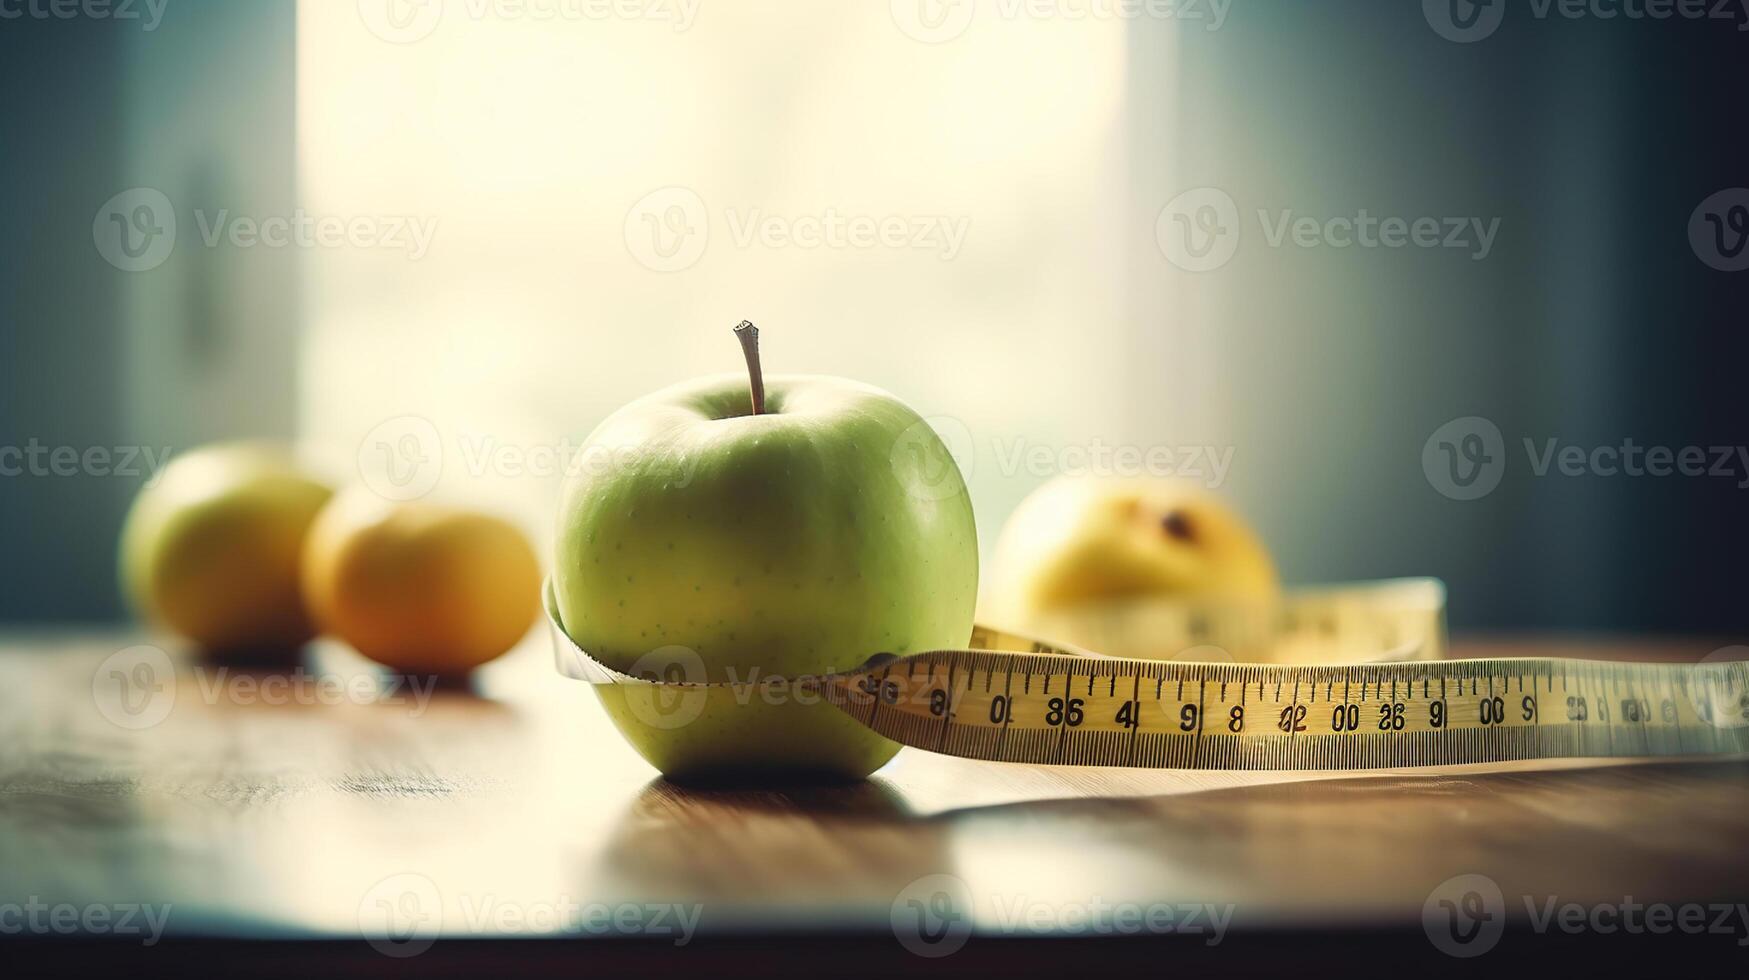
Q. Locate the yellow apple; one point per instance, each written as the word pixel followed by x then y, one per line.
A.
pixel 418 586
pixel 212 549
pixel 1085 540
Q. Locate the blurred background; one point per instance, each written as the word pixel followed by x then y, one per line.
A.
pixel 1359 266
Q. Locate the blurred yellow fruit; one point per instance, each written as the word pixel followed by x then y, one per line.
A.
pixel 212 549
pixel 420 587
pixel 1080 540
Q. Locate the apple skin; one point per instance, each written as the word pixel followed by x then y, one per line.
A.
pixel 1082 540
pixel 213 549
pixel 800 541
pixel 417 586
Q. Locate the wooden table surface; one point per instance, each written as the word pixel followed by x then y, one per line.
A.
pixel 264 808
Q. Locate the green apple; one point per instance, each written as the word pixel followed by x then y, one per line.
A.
pixel 760 530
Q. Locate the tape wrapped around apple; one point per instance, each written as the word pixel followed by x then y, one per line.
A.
pixel 735 528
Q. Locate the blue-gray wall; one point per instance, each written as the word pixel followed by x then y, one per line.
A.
pixel 1592 321
pixel 200 107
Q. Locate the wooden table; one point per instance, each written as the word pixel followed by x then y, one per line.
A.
pixel 278 821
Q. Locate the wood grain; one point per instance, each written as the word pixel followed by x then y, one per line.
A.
pixel 253 819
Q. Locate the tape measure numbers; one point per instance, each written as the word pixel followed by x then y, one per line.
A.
pixel 1063 710
pixel 1013 699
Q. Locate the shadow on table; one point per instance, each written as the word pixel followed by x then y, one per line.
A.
pixel 1367 850
pixel 808 842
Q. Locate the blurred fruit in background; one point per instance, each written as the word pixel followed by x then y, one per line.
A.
pixel 418 586
pixel 212 549
pixel 1080 542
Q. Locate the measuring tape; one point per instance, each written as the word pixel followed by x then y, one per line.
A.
pixel 1367 688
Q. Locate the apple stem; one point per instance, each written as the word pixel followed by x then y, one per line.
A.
pixel 748 334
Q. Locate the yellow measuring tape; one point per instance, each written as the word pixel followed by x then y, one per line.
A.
pixel 1367 687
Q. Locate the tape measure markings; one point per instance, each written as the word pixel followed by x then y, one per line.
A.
pixel 1265 711
pixel 1204 715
